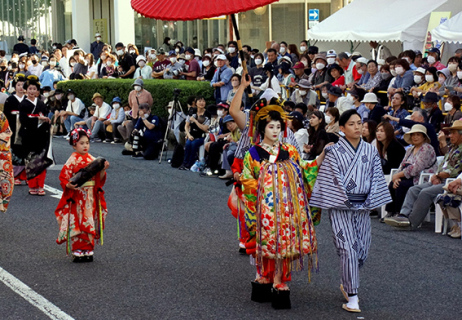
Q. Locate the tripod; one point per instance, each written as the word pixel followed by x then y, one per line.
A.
pixel 171 121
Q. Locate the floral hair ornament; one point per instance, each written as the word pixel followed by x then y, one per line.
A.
pixel 77 133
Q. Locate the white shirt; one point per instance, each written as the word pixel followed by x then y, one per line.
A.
pixel 35 70
pixel 75 107
pixel 302 137
pixel 64 64
pixel 103 111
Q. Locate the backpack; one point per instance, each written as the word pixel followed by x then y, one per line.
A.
pixel 178 156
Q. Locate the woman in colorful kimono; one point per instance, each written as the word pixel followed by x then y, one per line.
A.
pixel 6 166
pixel 349 185
pixel 276 186
pixel 11 111
pixel 82 211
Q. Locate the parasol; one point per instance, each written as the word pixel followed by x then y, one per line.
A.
pixel 174 10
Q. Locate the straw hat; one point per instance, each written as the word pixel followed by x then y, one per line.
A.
pixel 417 128
pixel 457 125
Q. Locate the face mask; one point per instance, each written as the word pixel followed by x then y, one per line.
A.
pixel 34 61
pixel 385 75
pixel 98 38
pixel 172 60
pixel 71 97
pixel 206 63
pixel 360 71
pixel 399 70
pixel 52 63
pixel 313 70
pixel 350 98
pixel 145 116
pixel 325 95
pixel 21 66
pixel 330 60
pixel 116 106
pixel 177 50
pixel 231 49
pixel 46 94
pixel 109 63
pixel 220 113
pixel 132 51
pixel 44 63
pixel 302 48
pixel 181 62
pixel 188 57
pixel 15 60
pixel 72 64
pixel 393 73
pixel 447 106
pixel 327 118
pixel 235 83
pixel 431 59
pixel 302 92
pixel 258 62
pixel 138 88
pixel 441 80
pixel 142 64
pixel 282 50
pixel 153 56
pixel 54 47
pixel 120 52
pixel 252 57
pixel 459 74
pixel 418 79
pixel 87 62
pixel 452 67
pixel 59 96
pixel 429 78
pixel 103 57
pixel 215 64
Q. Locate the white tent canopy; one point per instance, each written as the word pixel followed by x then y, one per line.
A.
pixel 450 30
pixel 378 20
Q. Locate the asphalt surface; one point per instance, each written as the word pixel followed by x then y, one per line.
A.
pixel 170 252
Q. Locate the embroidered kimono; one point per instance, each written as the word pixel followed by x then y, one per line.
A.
pixel 81 213
pixel 350 179
pixel 276 190
pixel 6 165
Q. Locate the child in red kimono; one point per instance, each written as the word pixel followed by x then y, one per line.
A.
pixel 81 211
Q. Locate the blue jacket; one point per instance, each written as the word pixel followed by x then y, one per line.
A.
pixel 224 75
pixel 49 76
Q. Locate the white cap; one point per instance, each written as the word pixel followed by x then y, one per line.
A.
pixel 331 53
pixel 421 70
pixel 370 97
pixel 269 94
pixel 362 60
pixel 98 35
pixel 221 57
pixel 197 52
pixel 218 49
pixel 139 58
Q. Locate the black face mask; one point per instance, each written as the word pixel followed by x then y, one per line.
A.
pixel 34 61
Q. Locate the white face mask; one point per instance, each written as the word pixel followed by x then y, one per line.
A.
pixel 71 97
pixel 98 38
pixel 172 60
pixel 153 56
pixel 252 57
pixel 109 63
pixel 431 59
pixel 44 63
pixel 103 57
pixel 216 64
pixel 441 80
pixel 52 63
pixel 399 70
pixel 350 97
pixel 302 92
pixel 429 78
pixel 116 106
pixel 46 94
pixel 459 74
pixel 21 66
pixel 393 73
pixel 177 50
pixel 132 51
pixel 320 66
pixel 447 106
pixel 258 62
pixel 360 71
pixel 282 50
pixel 231 49
pixel 327 118
pixel 302 48
pixel 188 57
pixel 120 52
pixel 59 96
pixel 137 88
pixel 206 63
pixel 452 67
pixel 325 95
pixel 330 60
pixel 15 60
pixel 418 79
pixel 142 64
pixel 220 113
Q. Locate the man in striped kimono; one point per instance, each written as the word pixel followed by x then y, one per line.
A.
pixel 350 184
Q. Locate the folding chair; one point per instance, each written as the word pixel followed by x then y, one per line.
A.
pixel 388 180
pixel 439 218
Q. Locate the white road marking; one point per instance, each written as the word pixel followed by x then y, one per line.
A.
pixel 38 301
pixel 56 192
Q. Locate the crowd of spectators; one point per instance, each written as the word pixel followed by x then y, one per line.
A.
pixel 409 104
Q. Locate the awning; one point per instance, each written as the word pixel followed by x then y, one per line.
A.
pixel 377 20
pixel 450 30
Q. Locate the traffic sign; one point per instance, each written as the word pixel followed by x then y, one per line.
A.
pixel 313 15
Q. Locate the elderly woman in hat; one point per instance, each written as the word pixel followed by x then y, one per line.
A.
pixel 304 94
pixel 138 96
pixel 321 76
pixel 420 157
pixel 143 71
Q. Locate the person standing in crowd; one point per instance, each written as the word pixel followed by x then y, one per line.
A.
pixel 174 68
pixel 317 136
pixel 208 69
pixel 21 47
pixel 391 152
pixel 11 111
pixel 74 112
pixel 126 62
pixel 80 69
pixel 82 211
pixel 349 185
pixel 276 254
pixel 96 47
pixel 221 81
pixel 192 66
pixel 166 45
pixel 49 76
pixel 258 74
pixel 143 71
pixel 35 68
pixel 233 56
pixel 160 65
pixel 379 52
pixel 35 135
pixel 420 197
pixel 138 96
pixel 33 49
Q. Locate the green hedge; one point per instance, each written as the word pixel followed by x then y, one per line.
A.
pixel 161 90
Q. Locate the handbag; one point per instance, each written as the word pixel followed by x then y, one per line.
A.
pixel 36 163
pixel 109 128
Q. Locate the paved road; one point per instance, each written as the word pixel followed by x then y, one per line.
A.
pixel 170 252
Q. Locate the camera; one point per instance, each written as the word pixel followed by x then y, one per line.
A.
pixel 176 91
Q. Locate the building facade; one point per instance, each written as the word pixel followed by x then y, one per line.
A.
pixel 51 21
